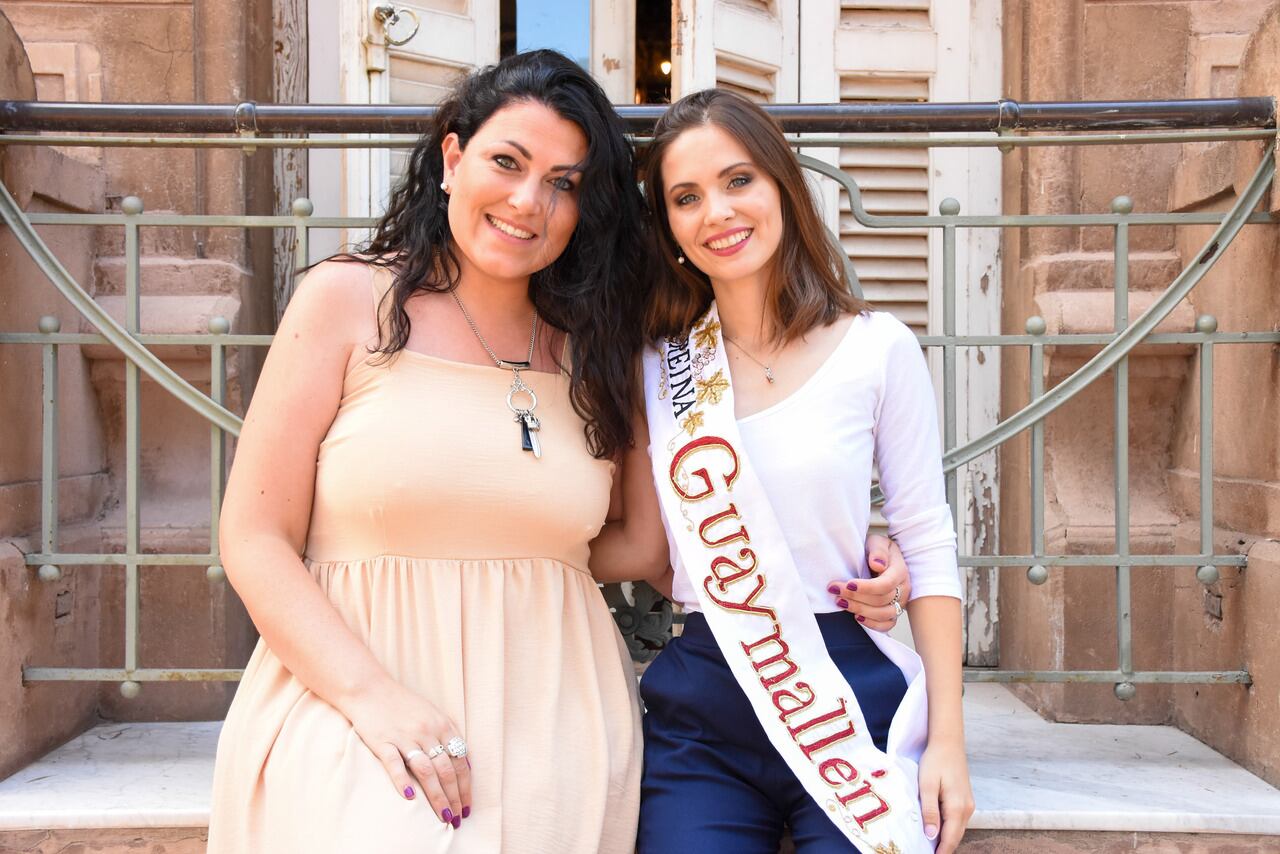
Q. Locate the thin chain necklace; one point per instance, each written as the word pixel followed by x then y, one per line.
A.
pixel 768 371
pixel 529 424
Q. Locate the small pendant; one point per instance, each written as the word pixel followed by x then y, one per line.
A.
pixel 529 426
pixel 768 374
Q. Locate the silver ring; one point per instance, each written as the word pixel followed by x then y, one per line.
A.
pixel 897 593
pixel 897 609
pixel 435 751
pixel 457 747
pixel 417 751
pixel 533 399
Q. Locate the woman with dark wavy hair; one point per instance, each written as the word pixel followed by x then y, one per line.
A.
pixel 770 390
pixel 427 455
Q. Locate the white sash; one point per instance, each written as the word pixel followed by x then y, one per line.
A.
pixel 720 521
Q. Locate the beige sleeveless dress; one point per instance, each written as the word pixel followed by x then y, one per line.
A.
pixel 462 562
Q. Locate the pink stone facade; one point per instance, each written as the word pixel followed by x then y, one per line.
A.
pixel 119 51
pixel 1078 50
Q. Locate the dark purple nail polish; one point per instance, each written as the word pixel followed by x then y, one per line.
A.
pixel 408 792
pixel 842 603
pixel 447 815
pixel 833 588
pixel 457 822
pixel 852 586
pixel 466 812
pixel 878 561
pixel 861 619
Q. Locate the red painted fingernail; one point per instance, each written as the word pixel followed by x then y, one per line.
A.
pixel 852 586
pixel 408 793
pixel 447 815
pixel 842 603
pixel 466 812
pixel 833 588
pixel 861 619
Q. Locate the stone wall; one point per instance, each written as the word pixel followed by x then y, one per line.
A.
pixel 1078 50
pixel 121 52
pixel 37 620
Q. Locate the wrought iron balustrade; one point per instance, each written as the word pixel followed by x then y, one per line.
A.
pixel 1069 124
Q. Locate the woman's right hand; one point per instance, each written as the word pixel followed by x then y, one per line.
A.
pixel 401 727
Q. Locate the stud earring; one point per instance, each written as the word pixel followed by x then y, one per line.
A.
pixel 444 185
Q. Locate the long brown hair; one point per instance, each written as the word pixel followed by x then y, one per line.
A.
pixel 807 285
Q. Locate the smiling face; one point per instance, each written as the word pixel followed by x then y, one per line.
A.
pixel 513 190
pixel 724 210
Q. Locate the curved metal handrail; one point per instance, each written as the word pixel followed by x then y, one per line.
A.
pixel 116 334
pixel 1123 343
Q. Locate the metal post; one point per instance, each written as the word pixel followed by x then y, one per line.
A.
pixel 1124 689
pixel 132 207
pixel 949 207
pixel 1037 573
pixel 1206 325
pixel 302 208
pixel 218 326
pixel 49 449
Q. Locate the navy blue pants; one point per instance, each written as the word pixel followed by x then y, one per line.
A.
pixel 712 781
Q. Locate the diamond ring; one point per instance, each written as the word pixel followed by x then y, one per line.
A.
pixel 435 751
pixel 457 747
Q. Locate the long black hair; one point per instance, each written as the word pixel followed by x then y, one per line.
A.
pixel 594 290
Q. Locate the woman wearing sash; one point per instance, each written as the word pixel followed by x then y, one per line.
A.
pixel 769 392
pixel 423 465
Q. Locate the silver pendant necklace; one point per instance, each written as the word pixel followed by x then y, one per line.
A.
pixel 529 424
pixel 768 371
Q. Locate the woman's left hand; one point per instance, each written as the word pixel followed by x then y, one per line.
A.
pixel 871 600
pixel 946 800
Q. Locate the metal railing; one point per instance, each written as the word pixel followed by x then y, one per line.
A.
pixel 1152 122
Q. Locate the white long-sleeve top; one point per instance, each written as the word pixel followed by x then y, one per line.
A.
pixel 872 399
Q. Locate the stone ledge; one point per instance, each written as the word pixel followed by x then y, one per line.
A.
pixel 1069 312
pixel 149 840
pixel 1086 270
pixel 1087 842
pixel 1028 775
pixel 1031 774
pixel 173 276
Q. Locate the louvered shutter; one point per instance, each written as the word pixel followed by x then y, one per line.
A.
pixel 749 46
pixel 885 50
pixel 893 265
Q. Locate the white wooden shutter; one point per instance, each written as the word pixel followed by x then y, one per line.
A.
pixel 866 51
pixel 886 50
pixel 453 38
pixel 749 46
pixel 351 62
pixel 893 265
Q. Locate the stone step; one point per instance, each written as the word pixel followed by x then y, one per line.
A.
pixel 173 275
pixel 1040 787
